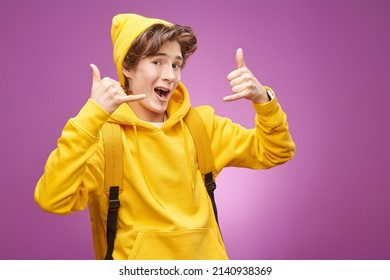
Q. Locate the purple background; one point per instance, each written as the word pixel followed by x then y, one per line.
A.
pixel 328 62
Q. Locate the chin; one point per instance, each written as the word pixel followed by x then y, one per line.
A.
pixel 159 108
pixel 157 111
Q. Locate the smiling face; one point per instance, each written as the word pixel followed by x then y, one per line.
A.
pixel 155 76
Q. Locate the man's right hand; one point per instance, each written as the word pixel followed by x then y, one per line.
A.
pixel 108 93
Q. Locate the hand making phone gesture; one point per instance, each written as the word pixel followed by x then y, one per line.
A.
pixel 108 93
pixel 244 84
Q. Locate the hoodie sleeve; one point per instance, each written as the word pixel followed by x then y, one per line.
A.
pixel 266 145
pixel 76 167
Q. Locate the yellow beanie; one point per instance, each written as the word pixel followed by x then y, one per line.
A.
pixel 125 28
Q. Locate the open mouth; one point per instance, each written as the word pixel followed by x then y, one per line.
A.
pixel 162 92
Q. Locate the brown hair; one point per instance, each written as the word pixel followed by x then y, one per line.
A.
pixel 152 39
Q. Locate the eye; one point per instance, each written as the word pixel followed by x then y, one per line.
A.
pixel 156 62
pixel 176 66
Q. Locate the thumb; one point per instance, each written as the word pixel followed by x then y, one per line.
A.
pixel 95 74
pixel 240 58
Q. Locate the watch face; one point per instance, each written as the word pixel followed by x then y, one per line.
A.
pixel 269 94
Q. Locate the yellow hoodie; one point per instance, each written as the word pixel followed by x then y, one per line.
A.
pixel 165 210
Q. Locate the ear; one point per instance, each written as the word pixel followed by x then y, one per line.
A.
pixel 127 73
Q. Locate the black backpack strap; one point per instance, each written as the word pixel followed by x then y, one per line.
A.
pixel 112 216
pixel 211 186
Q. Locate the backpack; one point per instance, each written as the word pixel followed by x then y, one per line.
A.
pixel 114 168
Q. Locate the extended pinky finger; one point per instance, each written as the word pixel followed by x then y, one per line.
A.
pixel 233 97
pixel 132 98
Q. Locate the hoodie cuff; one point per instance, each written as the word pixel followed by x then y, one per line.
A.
pixel 268 112
pixel 91 118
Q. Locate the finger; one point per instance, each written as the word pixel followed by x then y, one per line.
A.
pixel 234 74
pixel 240 72
pixel 108 82
pixel 239 88
pixel 131 98
pixel 236 96
pixel 243 79
pixel 240 58
pixel 232 97
pixel 95 74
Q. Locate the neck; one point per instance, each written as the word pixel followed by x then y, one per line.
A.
pixel 147 116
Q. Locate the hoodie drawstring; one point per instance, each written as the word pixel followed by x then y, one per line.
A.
pixel 190 170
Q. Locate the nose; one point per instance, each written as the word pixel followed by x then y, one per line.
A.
pixel 169 74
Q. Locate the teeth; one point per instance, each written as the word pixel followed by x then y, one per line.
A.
pixel 161 91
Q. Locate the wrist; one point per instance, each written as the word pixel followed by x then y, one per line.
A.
pixel 266 96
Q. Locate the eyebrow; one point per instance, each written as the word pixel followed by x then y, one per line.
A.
pixel 164 54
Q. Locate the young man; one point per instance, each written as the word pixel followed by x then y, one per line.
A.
pixel 165 211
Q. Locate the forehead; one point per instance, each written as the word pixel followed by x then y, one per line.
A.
pixel 171 49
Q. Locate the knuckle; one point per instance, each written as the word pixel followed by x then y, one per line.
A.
pixel 247 76
pixel 235 89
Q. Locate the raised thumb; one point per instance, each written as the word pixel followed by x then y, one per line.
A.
pixel 95 73
pixel 240 58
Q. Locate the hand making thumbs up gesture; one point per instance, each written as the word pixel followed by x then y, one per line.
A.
pixel 244 84
pixel 108 93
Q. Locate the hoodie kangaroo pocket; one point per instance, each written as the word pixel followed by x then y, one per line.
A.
pixel 184 245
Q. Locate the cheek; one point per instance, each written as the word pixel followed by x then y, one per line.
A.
pixel 144 80
pixel 178 78
pixel 149 76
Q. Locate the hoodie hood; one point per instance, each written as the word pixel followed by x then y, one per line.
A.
pixel 178 107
